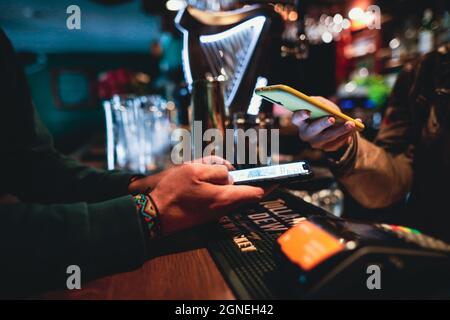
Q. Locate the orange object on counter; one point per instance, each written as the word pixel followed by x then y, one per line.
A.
pixel 307 245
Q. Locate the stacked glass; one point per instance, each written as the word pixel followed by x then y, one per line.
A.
pixel 138 132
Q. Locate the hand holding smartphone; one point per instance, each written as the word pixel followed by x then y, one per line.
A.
pixel 290 172
pixel 294 100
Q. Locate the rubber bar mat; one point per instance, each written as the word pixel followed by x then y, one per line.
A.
pixel 243 244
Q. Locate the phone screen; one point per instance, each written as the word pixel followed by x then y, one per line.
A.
pixel 277 172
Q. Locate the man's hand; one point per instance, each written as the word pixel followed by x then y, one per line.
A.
pixel 148 183
pixel 196 193
pixel 323 133
pixel 214 160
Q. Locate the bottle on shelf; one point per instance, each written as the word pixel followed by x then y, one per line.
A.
pixel 426 33
pixel 410 38
pixel 444 29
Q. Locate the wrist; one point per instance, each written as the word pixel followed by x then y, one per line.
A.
pixel 144 184
pixel 345 164
pixel 339 153
pixel 135 183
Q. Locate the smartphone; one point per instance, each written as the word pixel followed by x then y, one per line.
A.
pixel 294 100
pixel 290 172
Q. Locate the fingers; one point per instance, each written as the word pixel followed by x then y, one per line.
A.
pixel 314 128
pixel 339 130
pixel 309 131
pixel 215 174
pixel 299 117
pixel 332 134
pixel 234 195
pixel 214 160
pixel 268 190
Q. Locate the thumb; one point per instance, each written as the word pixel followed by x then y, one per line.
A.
pixel 215 174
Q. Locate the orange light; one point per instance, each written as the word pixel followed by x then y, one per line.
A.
pixel 293 16
pixel 307 245
pixel 357 25
pixel 278 8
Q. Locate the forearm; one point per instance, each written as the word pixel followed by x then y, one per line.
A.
pixel 39 242
pixel 30 167
pixel 45 176
pixel 374 177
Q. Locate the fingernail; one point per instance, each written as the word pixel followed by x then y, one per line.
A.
pixel 349 125
pixel 331 120
pixel 261 193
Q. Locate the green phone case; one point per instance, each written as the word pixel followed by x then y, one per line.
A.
pixel 292 102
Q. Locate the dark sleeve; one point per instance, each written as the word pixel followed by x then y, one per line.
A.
pixel 39 242
pixel 31 168
pixel 395 135
pixel 380 174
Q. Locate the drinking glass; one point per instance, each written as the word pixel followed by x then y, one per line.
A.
pixel 138 132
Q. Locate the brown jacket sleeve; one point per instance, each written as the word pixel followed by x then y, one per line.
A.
pixel 379 174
